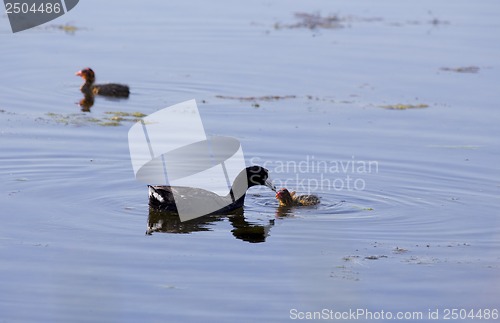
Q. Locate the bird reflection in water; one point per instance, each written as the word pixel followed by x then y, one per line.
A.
pixel 87 102
pixel 169 222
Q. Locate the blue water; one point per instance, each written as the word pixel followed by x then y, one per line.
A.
pixel 418 231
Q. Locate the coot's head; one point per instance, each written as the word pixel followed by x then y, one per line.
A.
pixel 87 74
pixel 258 175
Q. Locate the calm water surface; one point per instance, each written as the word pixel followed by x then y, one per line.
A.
pixel 410 197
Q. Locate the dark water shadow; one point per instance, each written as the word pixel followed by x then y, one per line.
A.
pixel 169 222
pixel 87 102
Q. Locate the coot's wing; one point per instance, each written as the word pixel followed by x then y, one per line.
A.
pixel 190 200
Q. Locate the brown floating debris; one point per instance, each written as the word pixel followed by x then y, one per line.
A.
pixel 257 98
pixel 463 69
pixel 404 106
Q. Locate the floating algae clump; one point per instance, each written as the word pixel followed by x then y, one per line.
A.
pixel 463 69
pixel 404 106
pixel 126 114
pixel 111 118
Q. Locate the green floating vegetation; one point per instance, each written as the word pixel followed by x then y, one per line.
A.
pixel 111 119
pixel 364 208
pixel 110 124
pixel 126 114
pixel 404 106
pixel 67 28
